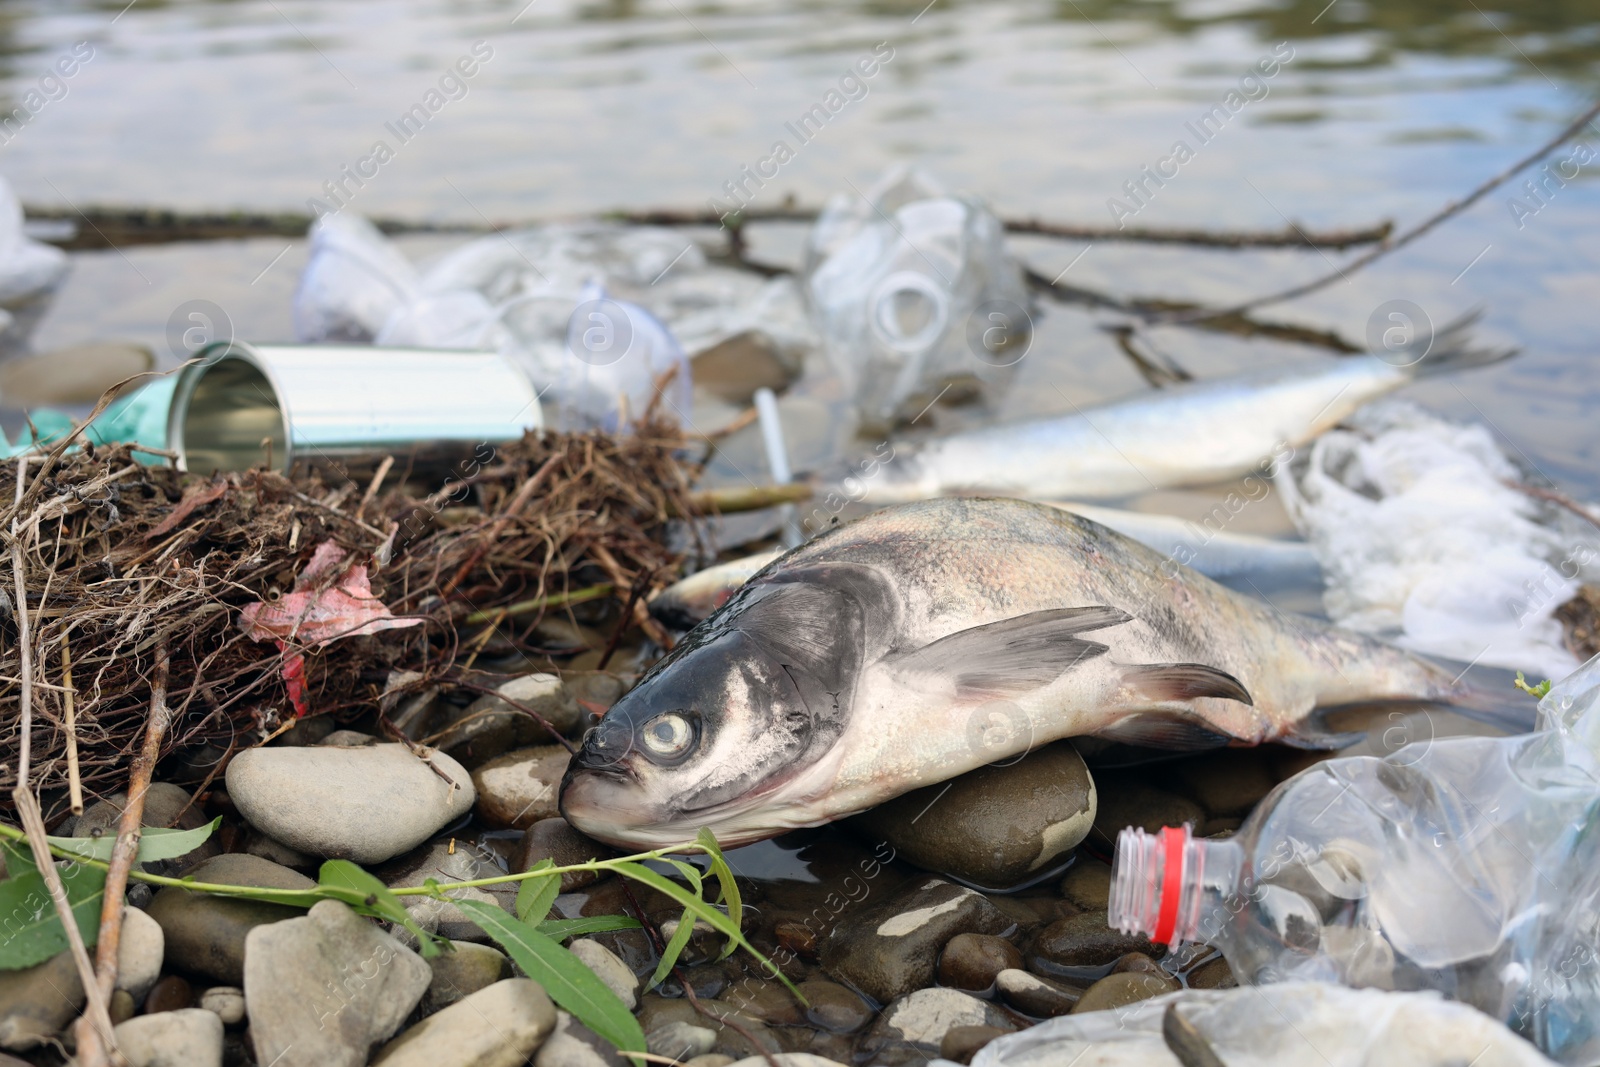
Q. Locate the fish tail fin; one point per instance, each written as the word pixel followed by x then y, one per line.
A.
pixel 1452 349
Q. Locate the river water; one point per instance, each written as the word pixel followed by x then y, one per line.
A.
pixel 1043 108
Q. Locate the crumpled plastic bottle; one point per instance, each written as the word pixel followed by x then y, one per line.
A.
pixel 915 295
pixel 1466 865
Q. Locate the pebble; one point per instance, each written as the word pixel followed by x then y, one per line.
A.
pixel 1083 941
pixel 1088 884
pixel 556 840
pixel 489 726
pixel 323 988
pixel 139 953
pixel 361 804
pixel 226 1002
pixel 499 1026
pixel 610 969
pixel 1126 799
pixel 121 1008
pixel 1212 974
pixel 460 971
pixel 680 1040
pixel 768 1000
pixel 36 1002
pixel 172 993
pixel 1227 781
pixel 972 961
pixel 1035 996
pixel 573 1044
pixel 1136 963
pixel 436 860
pixel 912 1028
pixel 1128 987
pixel 268 848
pixel 348 739
pixel 188 1038
pixel 786 1059
pixel 205 935
pixel 521 787
pixel 889 948
pixel 711 1059
pixel 995 826
pixel 162 803
pixel 656 1011
pixel 835 1008
pixel 961 1043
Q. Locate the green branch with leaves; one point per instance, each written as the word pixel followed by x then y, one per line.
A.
pixel 31 931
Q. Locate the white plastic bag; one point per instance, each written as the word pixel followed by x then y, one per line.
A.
pixel 354 281
pixel 30 273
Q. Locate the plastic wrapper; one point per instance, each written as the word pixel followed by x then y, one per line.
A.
pixel 915 297
pixel 1423 542
pixel 1466 865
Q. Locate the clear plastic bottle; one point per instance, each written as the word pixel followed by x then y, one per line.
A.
pixel 1466 865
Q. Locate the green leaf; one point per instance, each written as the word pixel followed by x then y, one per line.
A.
pixel 535 895
pixel 730 888
pixel 598 924
pixel 674 949
pixel 690 872
pixel 19 858
pixel 155 843
pixel 349 883
pixel 569 982
pixel 728 927
pixel 31 931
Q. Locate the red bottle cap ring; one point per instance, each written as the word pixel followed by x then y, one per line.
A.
pixel 1173 840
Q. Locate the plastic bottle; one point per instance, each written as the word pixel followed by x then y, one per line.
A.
pixel 914 294
pixel 1466 865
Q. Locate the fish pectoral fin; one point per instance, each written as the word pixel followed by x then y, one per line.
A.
pixel 1169 730
pixel 1162 682
pixel 1012 656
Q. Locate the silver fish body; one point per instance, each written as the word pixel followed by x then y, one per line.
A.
pixel 929 639
pixel 1197 433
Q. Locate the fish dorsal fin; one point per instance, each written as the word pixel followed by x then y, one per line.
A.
pixel 1163 682
pixel 1014 655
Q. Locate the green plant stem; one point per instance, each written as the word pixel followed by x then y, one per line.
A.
pixel 311 896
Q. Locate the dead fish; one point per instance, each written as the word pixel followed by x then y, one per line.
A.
pixel 1215 553
pixel 932 638
pixel 1198 433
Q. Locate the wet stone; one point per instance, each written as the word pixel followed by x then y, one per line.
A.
pixel 499 1026
pixel 460 971
pixel 1035 996
pixel 834 1007
pixel 1212 974
pixel 961 1043
pixel 490 726
pixel 172 993
pixel 888 948
pixel 768 1000
pixel 520 788
pixel 912 1028
pixel 1227 781
pixel 205 935
pixel 323 988
pixel 1088 884
pixel 1083 941
pixel 1127 799
pixel 438 861
pixel 556 840
pixel 361 804
pixel 1136 963
pixel 1119 990
pixel 972 961
pixel 609 968
pixel 995 826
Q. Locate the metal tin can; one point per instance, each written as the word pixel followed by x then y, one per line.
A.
pixel 243 405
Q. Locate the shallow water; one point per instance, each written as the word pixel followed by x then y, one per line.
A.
pixel 1385 110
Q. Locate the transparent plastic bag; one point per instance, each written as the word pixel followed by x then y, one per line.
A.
pixel 616 352
pixel 915 295
pixel 1465 865
pixel 1273 1026
pixel 30 274
pixel 354 280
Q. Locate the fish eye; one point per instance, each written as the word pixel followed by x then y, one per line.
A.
pixel 668 735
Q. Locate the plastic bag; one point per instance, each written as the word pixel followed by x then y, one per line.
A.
pixel 1465 865
pixel 354 280
pixel 1422 542
pixel 30 273
pixel 1293 1023
pixel 915 295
